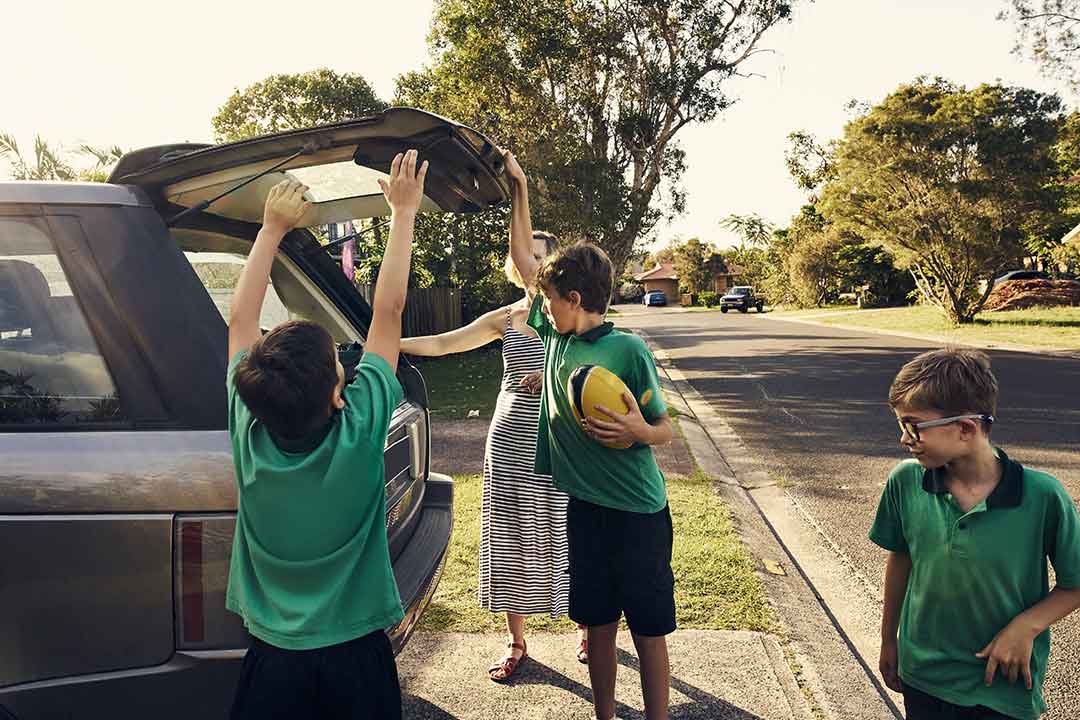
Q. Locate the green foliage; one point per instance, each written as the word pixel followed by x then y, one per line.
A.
pixel 467 252
pixel 52 163
pixel 630 291
pixel 869 270
pixel 696 263
pixel 591 96
pixel 22 402
pixel 661 256
pixel 754 230
pixel 809 259
pixel 708 298
pixel 951 181
pixel 287 102
pixel 809 162
pixel 1047 31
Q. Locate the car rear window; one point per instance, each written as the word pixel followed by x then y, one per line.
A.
pixel 51 370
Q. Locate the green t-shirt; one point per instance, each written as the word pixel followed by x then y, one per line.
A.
pixel 581 467
pixel 972 573
pixel 310 562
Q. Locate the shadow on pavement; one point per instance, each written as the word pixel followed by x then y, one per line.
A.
pixel 703 706
pixel 417 708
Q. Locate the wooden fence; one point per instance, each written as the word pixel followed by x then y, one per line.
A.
pixel 428 311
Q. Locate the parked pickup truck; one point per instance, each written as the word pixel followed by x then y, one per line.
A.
pixel 117 491
pixel 742 298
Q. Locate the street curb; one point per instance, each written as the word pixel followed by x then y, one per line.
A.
pixel 720 453
pixel 982 345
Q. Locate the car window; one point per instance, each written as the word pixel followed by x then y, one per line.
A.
pixel 51 370
pixel 219 273
pixel 289 296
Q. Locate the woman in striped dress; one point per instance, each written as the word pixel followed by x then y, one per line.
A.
pixel 523 552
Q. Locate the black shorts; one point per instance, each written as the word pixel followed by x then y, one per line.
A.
pixel 356 679
pixel 620 562
pixel 921 706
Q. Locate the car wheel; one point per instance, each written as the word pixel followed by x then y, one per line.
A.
pixel 723 309
pixel 743 309
pixel 760 307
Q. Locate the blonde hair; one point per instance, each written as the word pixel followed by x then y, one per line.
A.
pixel 950 380
pixel 551 244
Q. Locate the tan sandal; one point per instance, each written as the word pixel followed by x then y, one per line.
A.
pixel 505 668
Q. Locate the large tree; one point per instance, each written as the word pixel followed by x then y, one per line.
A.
pixel 287 102
pixel 592 95
pixel 1049 32
pixel 951 181
pixel 696 264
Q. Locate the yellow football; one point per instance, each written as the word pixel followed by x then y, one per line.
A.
pixel 592 385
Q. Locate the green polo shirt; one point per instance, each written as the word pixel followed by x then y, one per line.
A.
pixel 581 467
pixel 310 564
pixel 972 573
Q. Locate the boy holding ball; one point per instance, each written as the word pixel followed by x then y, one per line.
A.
pixel 618 524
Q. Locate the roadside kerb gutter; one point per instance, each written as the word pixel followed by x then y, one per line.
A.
pixel 833 670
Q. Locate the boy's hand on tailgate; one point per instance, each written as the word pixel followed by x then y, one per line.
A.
pixel 620 429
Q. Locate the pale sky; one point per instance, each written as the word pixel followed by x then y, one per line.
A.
pixel 128 73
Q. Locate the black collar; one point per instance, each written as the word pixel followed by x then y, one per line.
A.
pixel 597 332
pixel 304 443
pixel 1008 494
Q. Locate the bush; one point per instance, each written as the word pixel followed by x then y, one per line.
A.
pixel 631 292
pixel 708 298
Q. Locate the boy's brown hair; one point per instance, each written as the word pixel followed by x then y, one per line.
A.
pixel 581 267
pixel 288 377
pixel 950 380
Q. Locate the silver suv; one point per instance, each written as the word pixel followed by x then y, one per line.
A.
pixel 117 494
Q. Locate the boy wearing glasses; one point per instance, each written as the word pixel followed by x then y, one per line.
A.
pixel 965 625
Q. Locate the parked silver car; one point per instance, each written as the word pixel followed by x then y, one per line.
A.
pixel 117 495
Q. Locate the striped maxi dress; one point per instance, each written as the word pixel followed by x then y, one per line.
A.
pixel 523 552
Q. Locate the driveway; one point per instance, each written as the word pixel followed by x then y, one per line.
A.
pixel 809 402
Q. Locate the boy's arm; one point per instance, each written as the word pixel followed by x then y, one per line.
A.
pixel 403 193
pixel 285 205
pixel 897 572
pixel 476 334
pixel 521 250
pixel 631 427
pixel 1010 650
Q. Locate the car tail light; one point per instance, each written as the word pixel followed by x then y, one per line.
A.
pixel 202 547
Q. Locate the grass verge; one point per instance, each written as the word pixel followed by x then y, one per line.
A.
pixel 1047 328
pixel 459 383
pixel 716 587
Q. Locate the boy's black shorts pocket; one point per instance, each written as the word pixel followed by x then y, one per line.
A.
pixel 620 562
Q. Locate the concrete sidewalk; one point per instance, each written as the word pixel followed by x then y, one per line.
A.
pixel 715 675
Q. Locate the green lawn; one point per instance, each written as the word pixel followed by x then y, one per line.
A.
pixel 716 587
pixel 459 383
pixel 1049 328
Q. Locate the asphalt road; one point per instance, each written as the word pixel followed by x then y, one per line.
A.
pixel 810 403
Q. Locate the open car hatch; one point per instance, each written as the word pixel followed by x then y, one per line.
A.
pixel 340 163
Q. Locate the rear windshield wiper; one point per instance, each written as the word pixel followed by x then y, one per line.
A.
pixel 309 147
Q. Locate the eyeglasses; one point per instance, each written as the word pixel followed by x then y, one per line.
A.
pixel 913 428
